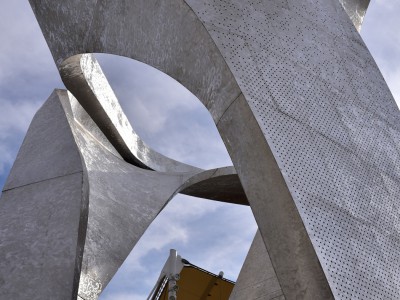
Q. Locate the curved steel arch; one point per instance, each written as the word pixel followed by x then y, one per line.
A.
pixel 172 38
pixel 307 118
pixel 85 79
pixel 85 206
pixel 102 257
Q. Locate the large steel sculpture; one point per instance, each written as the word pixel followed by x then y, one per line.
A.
pixel 304 112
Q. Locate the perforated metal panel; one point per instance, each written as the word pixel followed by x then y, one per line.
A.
pixel 332 125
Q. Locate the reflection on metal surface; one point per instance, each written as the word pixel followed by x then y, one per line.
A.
pixel 83 77
pixel 220 184
pixel 111 204
pixel 121 193
pixel 356 9
pixel 89 289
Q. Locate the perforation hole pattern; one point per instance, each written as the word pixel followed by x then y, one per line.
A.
pixel 332 125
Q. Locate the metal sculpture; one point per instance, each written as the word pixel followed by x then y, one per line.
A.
pixel 93 205
pixel 304 112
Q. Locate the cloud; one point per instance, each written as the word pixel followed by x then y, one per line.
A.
pixel 392 78
pixel 15 117
pixel 231 241
pixel 7 157
pixel 212 235
pixel 14 120
pixel 125 296
pixel 23 51
pixel 27 77
pixel 164 113
pixel 383 41
pixel 382 5
pixel 148 95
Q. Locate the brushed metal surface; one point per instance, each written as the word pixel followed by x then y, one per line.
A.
pixel 78 225
pixel 83 77
pixel 305 114
pixel 328 117
pixel 124 199
pixel 356 10
pixel 257 278
pixel 43 213
pixel 177 48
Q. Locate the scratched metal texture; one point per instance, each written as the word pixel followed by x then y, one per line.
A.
pixel 299 73
pixel 332 125
pixel 356 10
pixel 124 199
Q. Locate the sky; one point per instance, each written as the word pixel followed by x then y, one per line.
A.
pixel 212 235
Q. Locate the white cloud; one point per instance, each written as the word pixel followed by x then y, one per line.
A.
pixel 23 51
pixel 27 77
pixel 170 228
pixel 147 95
pixel 163 233
pixel 15 117
pixel 164 113
pixel 227 253
pixel 383 4
pixel 125 296
pixel 393 80
pixel 14 121
pixel 212 235
pixel 6 157
pixel 380 35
